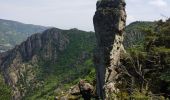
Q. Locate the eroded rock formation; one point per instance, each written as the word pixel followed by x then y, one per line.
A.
pixel 109 24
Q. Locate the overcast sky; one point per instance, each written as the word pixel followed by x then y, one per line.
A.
pixel 66 14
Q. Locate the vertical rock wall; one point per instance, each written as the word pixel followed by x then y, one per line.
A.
pixel 109 23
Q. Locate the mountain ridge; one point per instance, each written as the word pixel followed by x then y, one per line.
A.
pixel 38 56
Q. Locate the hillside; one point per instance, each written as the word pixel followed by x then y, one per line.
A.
pixel 5 90
pixel 13 33
pixel 147 65
pixel 135 33
pixel 51 62
pixel 44 62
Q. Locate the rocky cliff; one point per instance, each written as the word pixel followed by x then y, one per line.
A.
pixel 19 65
pixel 46 61
pixel 109 24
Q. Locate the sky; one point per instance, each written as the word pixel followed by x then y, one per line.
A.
pixel 66 14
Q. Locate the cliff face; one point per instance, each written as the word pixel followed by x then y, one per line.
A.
pixel 109 24
pixel 19 65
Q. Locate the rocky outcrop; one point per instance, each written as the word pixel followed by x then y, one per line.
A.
pixel 19 65
pixel 109 24
pixel 82 90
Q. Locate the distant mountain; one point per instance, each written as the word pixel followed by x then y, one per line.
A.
pixel 13 33
pixel 135 32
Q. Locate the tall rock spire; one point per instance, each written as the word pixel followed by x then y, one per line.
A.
pixel 109 23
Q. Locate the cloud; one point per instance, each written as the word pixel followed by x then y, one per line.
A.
pixel 158 3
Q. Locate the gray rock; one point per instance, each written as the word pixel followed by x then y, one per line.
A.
pixel 109 23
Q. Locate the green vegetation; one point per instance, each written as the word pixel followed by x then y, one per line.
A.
pixel 136 32
pixel 72 64
pixel 140 25
pixel 13 33
pixel 147 63
pixel 5 91
pixel 147 74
